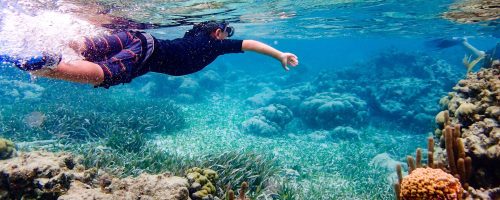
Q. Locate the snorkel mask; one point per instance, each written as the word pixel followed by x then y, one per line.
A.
pixel 228 29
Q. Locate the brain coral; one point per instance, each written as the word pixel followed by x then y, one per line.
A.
pixel 429 183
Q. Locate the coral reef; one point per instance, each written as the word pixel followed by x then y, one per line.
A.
pixel 7 149
pixel 44 175
pixel 472 11
pixel 429 183
pixel 395 85
pixel 201 183
pixel 474 105
pixel 468 132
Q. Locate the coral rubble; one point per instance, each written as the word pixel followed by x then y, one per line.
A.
pixel 45 175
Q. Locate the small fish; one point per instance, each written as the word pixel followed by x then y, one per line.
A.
pixel 35 119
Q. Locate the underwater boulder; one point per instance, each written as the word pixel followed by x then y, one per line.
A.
pixel 344 133
pixel 268 121
pixel 328 110
pixel 259 125
pixel 276 113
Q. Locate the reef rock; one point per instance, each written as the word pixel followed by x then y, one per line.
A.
pixel 45 175
pixel 474 105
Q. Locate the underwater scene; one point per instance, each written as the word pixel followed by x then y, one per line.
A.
pixel 389 100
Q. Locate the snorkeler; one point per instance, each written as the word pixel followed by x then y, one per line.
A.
pixel 121 57
pixel 490 58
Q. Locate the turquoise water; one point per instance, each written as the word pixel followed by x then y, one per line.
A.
pixel 363 97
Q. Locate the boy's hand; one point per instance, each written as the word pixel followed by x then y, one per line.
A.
pixel 288 59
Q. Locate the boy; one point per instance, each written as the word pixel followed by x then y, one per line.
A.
pixel 121 57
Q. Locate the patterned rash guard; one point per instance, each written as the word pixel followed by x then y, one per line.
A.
pixel 189 54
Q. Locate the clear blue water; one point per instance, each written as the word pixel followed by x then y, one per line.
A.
pixel 373 52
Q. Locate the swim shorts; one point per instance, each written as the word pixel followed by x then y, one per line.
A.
pixel 119 55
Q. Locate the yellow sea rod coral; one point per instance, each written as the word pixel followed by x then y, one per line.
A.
pixel 429 183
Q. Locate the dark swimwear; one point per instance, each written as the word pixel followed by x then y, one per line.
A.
pixel 126 55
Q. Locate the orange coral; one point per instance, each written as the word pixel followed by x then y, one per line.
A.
pixel 428 183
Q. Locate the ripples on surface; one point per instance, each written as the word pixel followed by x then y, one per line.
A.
pixel 291 19
pixel 304 19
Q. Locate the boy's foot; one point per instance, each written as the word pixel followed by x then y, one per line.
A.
pixel 46 60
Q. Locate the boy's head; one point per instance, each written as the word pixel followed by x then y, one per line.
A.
pixel 214 29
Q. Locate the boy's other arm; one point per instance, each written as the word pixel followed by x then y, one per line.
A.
pixel 259 47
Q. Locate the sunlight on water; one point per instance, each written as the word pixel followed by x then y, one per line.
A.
pixel 46 31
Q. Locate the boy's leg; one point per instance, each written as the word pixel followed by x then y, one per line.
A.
pixel 121 53
pixel 76 71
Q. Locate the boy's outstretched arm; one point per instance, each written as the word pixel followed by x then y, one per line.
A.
pixel 259 47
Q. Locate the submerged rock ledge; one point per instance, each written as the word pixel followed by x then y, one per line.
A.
pixel 46 175
pixel 473 11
